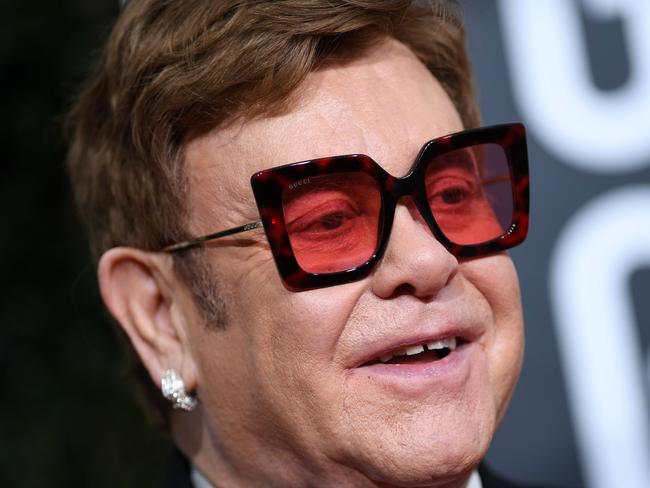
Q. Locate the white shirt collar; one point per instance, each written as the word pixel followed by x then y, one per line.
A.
pixel 199 480
pixel 474 481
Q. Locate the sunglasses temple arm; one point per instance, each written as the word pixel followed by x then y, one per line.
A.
pixel 181 246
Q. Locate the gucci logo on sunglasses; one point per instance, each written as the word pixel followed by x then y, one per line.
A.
pixel 328 220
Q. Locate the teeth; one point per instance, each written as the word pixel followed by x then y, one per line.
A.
pixel 443 344
pixel 411 351
pixel 449 343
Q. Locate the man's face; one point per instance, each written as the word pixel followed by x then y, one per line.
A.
pixel 290 389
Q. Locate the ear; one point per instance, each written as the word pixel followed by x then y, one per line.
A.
pixel 142 293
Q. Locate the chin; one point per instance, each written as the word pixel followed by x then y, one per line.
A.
pixel 423 455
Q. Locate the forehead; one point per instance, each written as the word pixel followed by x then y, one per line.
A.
pixel 385 104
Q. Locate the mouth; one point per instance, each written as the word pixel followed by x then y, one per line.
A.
pixel 424 352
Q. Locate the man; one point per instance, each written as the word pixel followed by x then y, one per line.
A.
pixel 370 334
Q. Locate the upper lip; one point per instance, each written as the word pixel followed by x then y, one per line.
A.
pixel 385 345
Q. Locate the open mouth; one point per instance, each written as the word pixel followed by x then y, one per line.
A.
pixel 425 352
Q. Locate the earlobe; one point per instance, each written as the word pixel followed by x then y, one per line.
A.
pixel 138 289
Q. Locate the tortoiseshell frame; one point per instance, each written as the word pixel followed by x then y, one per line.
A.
pixel 269 184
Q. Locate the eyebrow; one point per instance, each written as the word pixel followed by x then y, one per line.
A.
pixel 452 159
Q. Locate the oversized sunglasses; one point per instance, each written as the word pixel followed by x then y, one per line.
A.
pixel 328 220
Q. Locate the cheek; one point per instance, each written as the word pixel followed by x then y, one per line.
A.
pixel 293 338
pixel 274 359
pixel 308 322
pixel 495 278
pixel 298 382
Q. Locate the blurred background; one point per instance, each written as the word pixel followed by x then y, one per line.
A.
pixel 577 72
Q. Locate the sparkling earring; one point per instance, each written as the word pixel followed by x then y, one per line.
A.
pixel 173 389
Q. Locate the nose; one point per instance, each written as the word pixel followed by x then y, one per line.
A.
pixel 414 261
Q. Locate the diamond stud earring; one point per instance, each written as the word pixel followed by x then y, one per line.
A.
pixel 173 389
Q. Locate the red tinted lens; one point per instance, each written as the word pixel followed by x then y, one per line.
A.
pixel 470 193
pixel 332 221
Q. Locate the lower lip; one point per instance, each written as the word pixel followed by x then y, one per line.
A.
pixel 453 368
